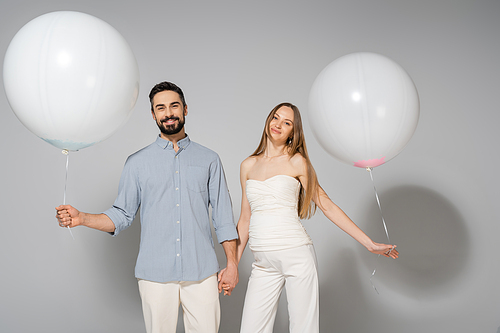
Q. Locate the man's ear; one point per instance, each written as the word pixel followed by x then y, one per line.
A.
pixel 185 110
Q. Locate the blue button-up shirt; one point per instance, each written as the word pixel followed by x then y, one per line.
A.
pixel 174 191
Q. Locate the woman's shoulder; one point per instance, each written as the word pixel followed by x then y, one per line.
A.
pixel 298 160
pixel 299 164
pixel 248 163
pixel 245 167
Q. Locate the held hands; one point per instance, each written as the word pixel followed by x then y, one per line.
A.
pixel 228 279
pixel 68 216
pixel 386 250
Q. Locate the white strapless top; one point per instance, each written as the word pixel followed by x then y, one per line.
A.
pixel 274 224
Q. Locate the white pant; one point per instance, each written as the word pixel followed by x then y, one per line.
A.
pixel 296 269
pixel 199 299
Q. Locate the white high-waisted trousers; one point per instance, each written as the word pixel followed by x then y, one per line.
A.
pixel 296 269
pixel 199 299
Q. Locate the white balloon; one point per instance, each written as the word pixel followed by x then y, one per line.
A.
pixel 363 109
pixel 70 78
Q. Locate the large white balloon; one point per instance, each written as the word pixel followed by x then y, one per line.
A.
pixel 70 78
pixel 363 108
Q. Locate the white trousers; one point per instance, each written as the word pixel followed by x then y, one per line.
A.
pixel 296 269
pixel 199 299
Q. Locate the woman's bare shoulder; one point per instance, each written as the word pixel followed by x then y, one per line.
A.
pixel 298 160
pixel 248 163
pixel 299 164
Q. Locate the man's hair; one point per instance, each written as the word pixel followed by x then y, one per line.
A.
pixel 163 86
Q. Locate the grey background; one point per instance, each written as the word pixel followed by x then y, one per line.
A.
pixel 235 60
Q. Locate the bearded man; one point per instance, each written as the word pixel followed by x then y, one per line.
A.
pixel 174 181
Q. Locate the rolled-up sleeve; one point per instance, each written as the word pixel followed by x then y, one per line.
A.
pixel 128 200
pixel 220 200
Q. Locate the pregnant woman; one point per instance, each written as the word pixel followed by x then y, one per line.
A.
pixel 279 188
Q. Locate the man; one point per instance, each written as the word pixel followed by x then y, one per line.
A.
pixel 173 180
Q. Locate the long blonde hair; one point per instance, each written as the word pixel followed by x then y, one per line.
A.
pixel 296 144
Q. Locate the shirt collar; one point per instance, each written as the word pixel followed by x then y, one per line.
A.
pixel 164 144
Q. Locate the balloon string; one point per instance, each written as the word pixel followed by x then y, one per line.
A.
pixel 385 228
pixel 66 152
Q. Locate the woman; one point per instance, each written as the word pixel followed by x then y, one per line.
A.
pixel 280 186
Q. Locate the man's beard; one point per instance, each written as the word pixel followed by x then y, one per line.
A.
pixel 171 129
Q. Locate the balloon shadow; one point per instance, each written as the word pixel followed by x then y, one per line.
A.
pixel 341 294
pixel 432 238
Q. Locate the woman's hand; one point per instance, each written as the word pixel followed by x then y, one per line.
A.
pixel 223 285
pixel 386 250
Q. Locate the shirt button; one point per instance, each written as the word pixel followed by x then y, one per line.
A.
pixel 178 254
pixel 178 239
pixel 177 189
pixel 178 222
pixel 176 156
pixel 177 205
pixel 177 172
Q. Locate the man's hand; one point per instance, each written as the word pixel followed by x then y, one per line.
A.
pixel 68 216
pixel 228 279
